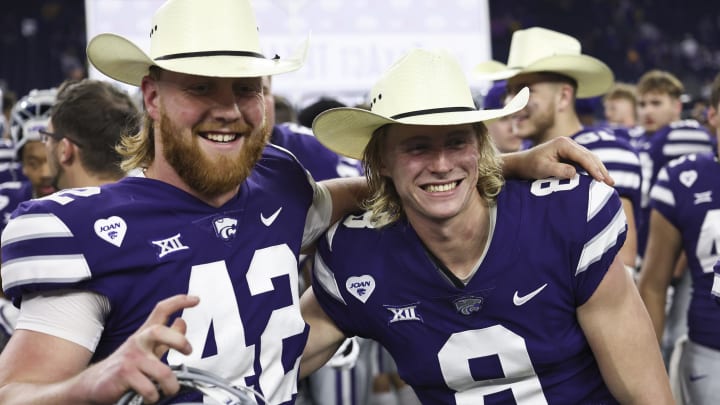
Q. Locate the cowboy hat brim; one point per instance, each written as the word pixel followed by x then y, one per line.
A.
pixel 122 60
pixel 493 70
pixel 592 76
pixel 347 130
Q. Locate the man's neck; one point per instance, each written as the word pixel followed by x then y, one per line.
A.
pixel 81 178
pixel 457 242
pixel 565 125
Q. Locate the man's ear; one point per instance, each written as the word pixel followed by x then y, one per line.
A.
pixel 566 96
pixel 67 151
pixel 149 88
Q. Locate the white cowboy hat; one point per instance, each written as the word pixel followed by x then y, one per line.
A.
pixel 542 50
pixel 217 38
pixel 422 88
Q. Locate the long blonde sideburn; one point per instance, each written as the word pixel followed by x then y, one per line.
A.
pixel 138 150
pixel 384 202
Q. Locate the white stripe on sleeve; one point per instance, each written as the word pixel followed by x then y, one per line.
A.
pixel 597 246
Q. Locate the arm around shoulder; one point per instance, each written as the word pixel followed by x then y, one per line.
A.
pixel 547 160
pixel 324 339
pixel 347 194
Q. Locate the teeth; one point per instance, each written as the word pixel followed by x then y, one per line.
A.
pixel 438 188
pixel 221 137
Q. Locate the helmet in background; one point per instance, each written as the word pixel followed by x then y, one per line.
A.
pixel 30 115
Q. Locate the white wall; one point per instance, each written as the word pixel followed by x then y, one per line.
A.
pixel 352 41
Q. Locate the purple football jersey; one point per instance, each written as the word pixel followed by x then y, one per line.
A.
pixel 619 157
pixel 658 148
pixel 11 171
pixel 140 240
pixel 320 161
pixel 684 194
pixel 511 334
pixel 12 193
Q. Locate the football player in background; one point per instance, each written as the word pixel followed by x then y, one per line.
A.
pixel 86 123
pixel 685 217
pixel 662 138
pixel 665 136
pixel 620 105
pixel 551 64
pixel 30 115
pixel 480 289
pixel 26 175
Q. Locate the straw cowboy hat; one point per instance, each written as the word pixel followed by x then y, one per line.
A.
pixel 422 88
pixel 217 38
pixel 542 50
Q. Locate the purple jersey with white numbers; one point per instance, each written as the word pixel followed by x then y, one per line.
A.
pixel 619 157
pixel 511 334
pixel 687 193
pixel 658 148
pixel 140 240
pixel 320 161
pixel 12 193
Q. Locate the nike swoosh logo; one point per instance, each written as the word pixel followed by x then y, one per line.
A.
pixel 518 300
pixel 694 378
pixel 269 220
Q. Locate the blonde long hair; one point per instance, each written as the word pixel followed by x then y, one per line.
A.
pixel 138 150
pixel 384 201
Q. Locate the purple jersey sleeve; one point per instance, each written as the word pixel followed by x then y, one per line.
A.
pixel 511 332
pixel 659 148
pixel 620 158
pixel 12 193
pixel 684 194
pixel 139 241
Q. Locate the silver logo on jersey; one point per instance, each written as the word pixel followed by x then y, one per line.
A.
pixel 688 177
pixel 404 313
pixel 225 228
pixel 361 287
pixel 111 230
pixel 468 305
pixel 169 245
pixel 704 197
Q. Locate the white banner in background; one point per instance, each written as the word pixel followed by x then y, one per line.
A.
pixel 351 44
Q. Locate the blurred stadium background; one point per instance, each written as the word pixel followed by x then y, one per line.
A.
pixel 42 42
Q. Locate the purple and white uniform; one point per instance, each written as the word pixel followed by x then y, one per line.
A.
pixel 686 194
pixel 140 240
pixel 510 334
pixel 656 149
pixel 620 159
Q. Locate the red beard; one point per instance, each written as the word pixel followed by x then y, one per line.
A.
pixel 211 176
